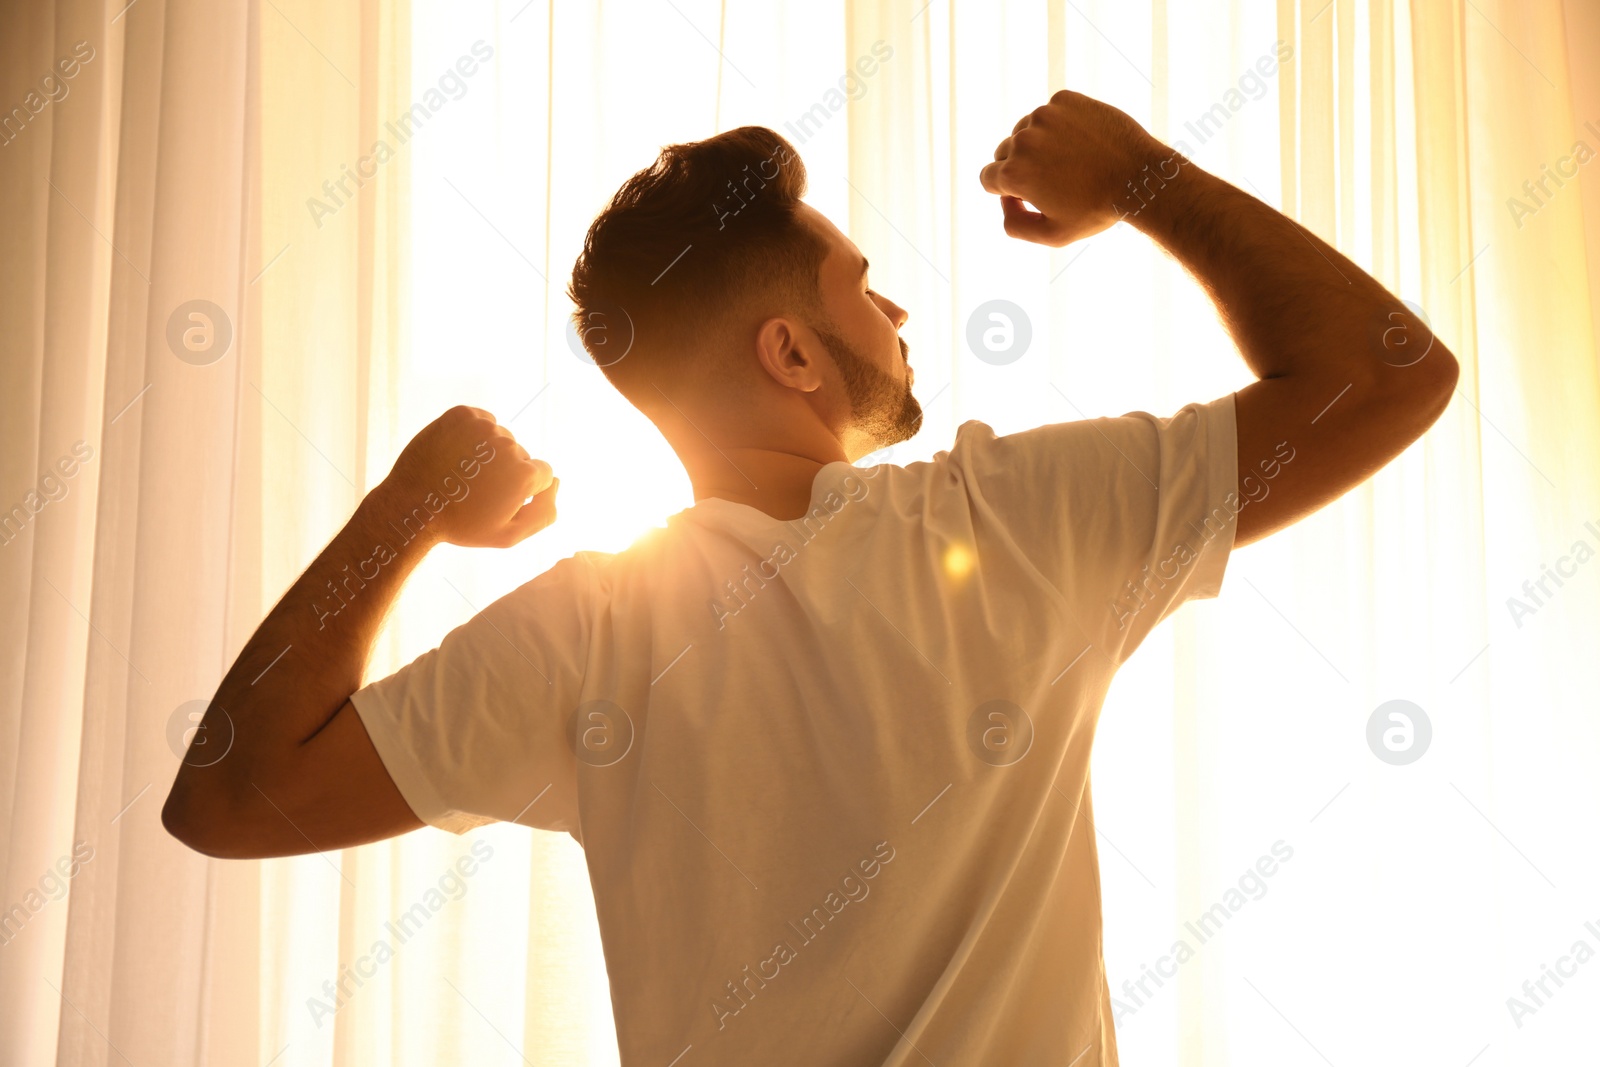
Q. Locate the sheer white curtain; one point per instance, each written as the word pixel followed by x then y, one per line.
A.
pixel 231 154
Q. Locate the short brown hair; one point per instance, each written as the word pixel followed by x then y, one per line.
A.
pixel 706 227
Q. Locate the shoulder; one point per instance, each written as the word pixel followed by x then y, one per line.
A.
pixel 579 576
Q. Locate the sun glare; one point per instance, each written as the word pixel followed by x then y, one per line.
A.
pixel 959 560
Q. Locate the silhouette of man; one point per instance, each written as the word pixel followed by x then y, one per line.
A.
pixel 825 737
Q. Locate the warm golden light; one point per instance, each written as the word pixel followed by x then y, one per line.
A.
pixel 959 560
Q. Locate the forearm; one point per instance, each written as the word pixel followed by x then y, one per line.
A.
pixel 282 746
pixel 1294 305
pixel 1348 376
pixel 307 656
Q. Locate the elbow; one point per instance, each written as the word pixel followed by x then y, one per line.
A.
pixel 1413 362
pixel 1448 368
pixel 1418 388
pixel 1408 398
pixel 197 825
pixel 179 819
pixel 1444 374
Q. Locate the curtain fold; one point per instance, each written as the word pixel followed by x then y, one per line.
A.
pixel 253 247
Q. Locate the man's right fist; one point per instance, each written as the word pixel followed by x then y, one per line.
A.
pixel 1072 159
pixel 469 474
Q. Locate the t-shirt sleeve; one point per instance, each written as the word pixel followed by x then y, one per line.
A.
pixel 476 730
pixel 1128 517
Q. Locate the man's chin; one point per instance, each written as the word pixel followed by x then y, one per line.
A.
pixel 914 426
pixel 907 425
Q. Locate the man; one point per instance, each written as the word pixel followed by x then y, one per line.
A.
pixel 825 737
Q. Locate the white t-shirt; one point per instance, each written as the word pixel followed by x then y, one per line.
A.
pixel 831 776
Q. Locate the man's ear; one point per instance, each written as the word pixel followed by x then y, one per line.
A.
pixel 788 352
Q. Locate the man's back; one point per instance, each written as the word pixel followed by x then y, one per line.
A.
pixel 831 774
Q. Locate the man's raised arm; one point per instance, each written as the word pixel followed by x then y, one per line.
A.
pixel 1349 376
pixel 281 763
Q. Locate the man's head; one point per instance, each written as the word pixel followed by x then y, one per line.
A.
pixel 706 290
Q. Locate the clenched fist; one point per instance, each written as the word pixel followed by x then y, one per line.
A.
pixel 466 481
pixel 1079 162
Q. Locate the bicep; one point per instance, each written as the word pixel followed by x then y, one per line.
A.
pixel 334 792
pixel 1304 442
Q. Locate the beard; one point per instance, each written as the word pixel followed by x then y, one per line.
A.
pixel 880 406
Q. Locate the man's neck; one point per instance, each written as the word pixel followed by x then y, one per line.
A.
pixel 776 483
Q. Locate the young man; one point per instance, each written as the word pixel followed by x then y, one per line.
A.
pixel 824 738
